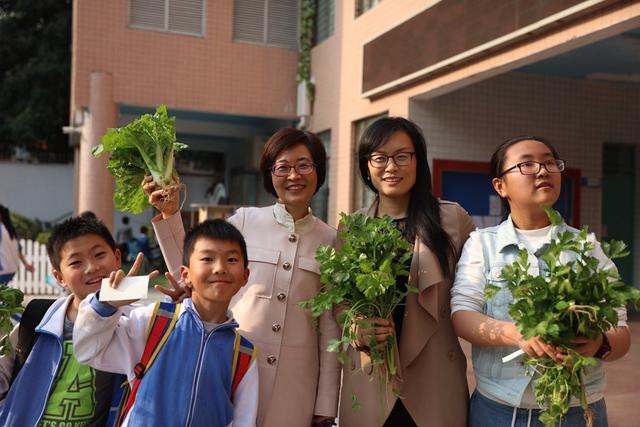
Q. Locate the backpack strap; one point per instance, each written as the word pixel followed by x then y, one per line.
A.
pixel 243 355
pixel 161 324
pixel 30 319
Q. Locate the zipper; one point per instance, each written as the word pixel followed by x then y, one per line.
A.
pixel 53 378
pixel 204 339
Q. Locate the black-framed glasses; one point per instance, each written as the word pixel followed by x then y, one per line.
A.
pixel 382 160
pixel 282 169
pixel 531 167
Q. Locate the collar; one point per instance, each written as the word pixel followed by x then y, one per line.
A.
pixel 285 219
pixel 53 321
pixel 507 236
pixel 230 322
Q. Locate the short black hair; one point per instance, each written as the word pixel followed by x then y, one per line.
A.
pixel 215 229
pixel 73 228
pixel 287 138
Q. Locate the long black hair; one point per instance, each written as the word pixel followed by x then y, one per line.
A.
pixel 496 164
pixel 424 208
pixel 5 218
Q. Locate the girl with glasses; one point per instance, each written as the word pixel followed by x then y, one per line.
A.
pixel 299 378
pixel 526 173
pixel 432 382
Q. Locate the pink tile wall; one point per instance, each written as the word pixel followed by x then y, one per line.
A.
pixel 209 73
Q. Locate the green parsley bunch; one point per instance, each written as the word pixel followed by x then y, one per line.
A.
pixel 359 279
pixel 10 304
pixel 572 299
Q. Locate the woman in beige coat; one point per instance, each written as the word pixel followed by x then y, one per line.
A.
pixel 299 379
pixel 432 383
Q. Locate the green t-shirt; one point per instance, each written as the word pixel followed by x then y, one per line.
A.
pixel 80 395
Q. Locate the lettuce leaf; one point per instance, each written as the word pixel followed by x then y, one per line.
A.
pixel 145 146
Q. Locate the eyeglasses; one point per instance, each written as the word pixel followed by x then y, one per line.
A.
pixel 382 160
pixel 531 167
pixel 302 168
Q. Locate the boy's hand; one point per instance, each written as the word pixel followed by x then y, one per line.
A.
pixel 166 200
pixel 178 293
pixel 116 277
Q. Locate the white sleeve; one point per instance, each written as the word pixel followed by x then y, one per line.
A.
pixel 245 399
pixel 467 293
pixel 106 340
pixel 6 364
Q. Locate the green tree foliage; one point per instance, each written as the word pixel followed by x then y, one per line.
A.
pixel 35 73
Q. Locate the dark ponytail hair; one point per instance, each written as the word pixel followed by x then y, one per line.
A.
pixel 5 218
pixel 424 209
pixel 496 165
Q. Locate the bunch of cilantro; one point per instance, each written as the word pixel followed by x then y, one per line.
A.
pixel 10 304
pixel 145 146
pixel 573 299
pixel 359 280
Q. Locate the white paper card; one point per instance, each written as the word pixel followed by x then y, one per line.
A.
pixel 130 288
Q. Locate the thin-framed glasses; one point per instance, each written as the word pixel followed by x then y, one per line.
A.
pixel 302 168
pixel 531 167
pixel 400 159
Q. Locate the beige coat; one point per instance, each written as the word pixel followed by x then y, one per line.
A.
pixel 433 380
pixel 298 378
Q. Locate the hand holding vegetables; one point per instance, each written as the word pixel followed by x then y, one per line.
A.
pixel 145 146
pixel 166 200
pixel 569 307
pixel 360 278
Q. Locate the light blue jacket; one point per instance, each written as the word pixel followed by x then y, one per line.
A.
pixel 28 395
pixel 484 255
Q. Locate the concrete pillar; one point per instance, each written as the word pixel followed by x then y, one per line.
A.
pixel 95 184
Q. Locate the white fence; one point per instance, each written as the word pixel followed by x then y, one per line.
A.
pixel 41 281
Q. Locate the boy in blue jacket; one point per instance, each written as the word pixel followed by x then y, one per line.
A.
pixel 52 388
pixel 192 379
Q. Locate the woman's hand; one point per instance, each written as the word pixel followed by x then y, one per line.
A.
pixel 376 330
pixel 178 293
pixel 166 200
pixel 587 347
pixel 536 348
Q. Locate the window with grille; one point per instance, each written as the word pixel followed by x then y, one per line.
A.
pixel 363 5
pixel 325 19
pixel 177 16
pixel 268 22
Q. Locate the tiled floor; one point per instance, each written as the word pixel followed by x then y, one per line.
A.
pixel 623 382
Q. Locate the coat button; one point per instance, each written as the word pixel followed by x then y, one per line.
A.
pixel 276 327
pixel 271 360
pixel 451 355
pixel 286 266
pixel 281 296
pixel 292 238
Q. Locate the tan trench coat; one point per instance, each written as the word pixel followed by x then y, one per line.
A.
pixel 298 377
pixel 433 382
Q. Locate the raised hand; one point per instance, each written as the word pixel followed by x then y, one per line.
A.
pixel 167 199
pixel 115 278
pixel 178 293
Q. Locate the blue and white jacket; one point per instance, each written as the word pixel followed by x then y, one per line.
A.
pixel 25 400
pixel 189 383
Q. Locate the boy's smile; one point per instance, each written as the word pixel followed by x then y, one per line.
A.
pixel 216 272
pixel 84 262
